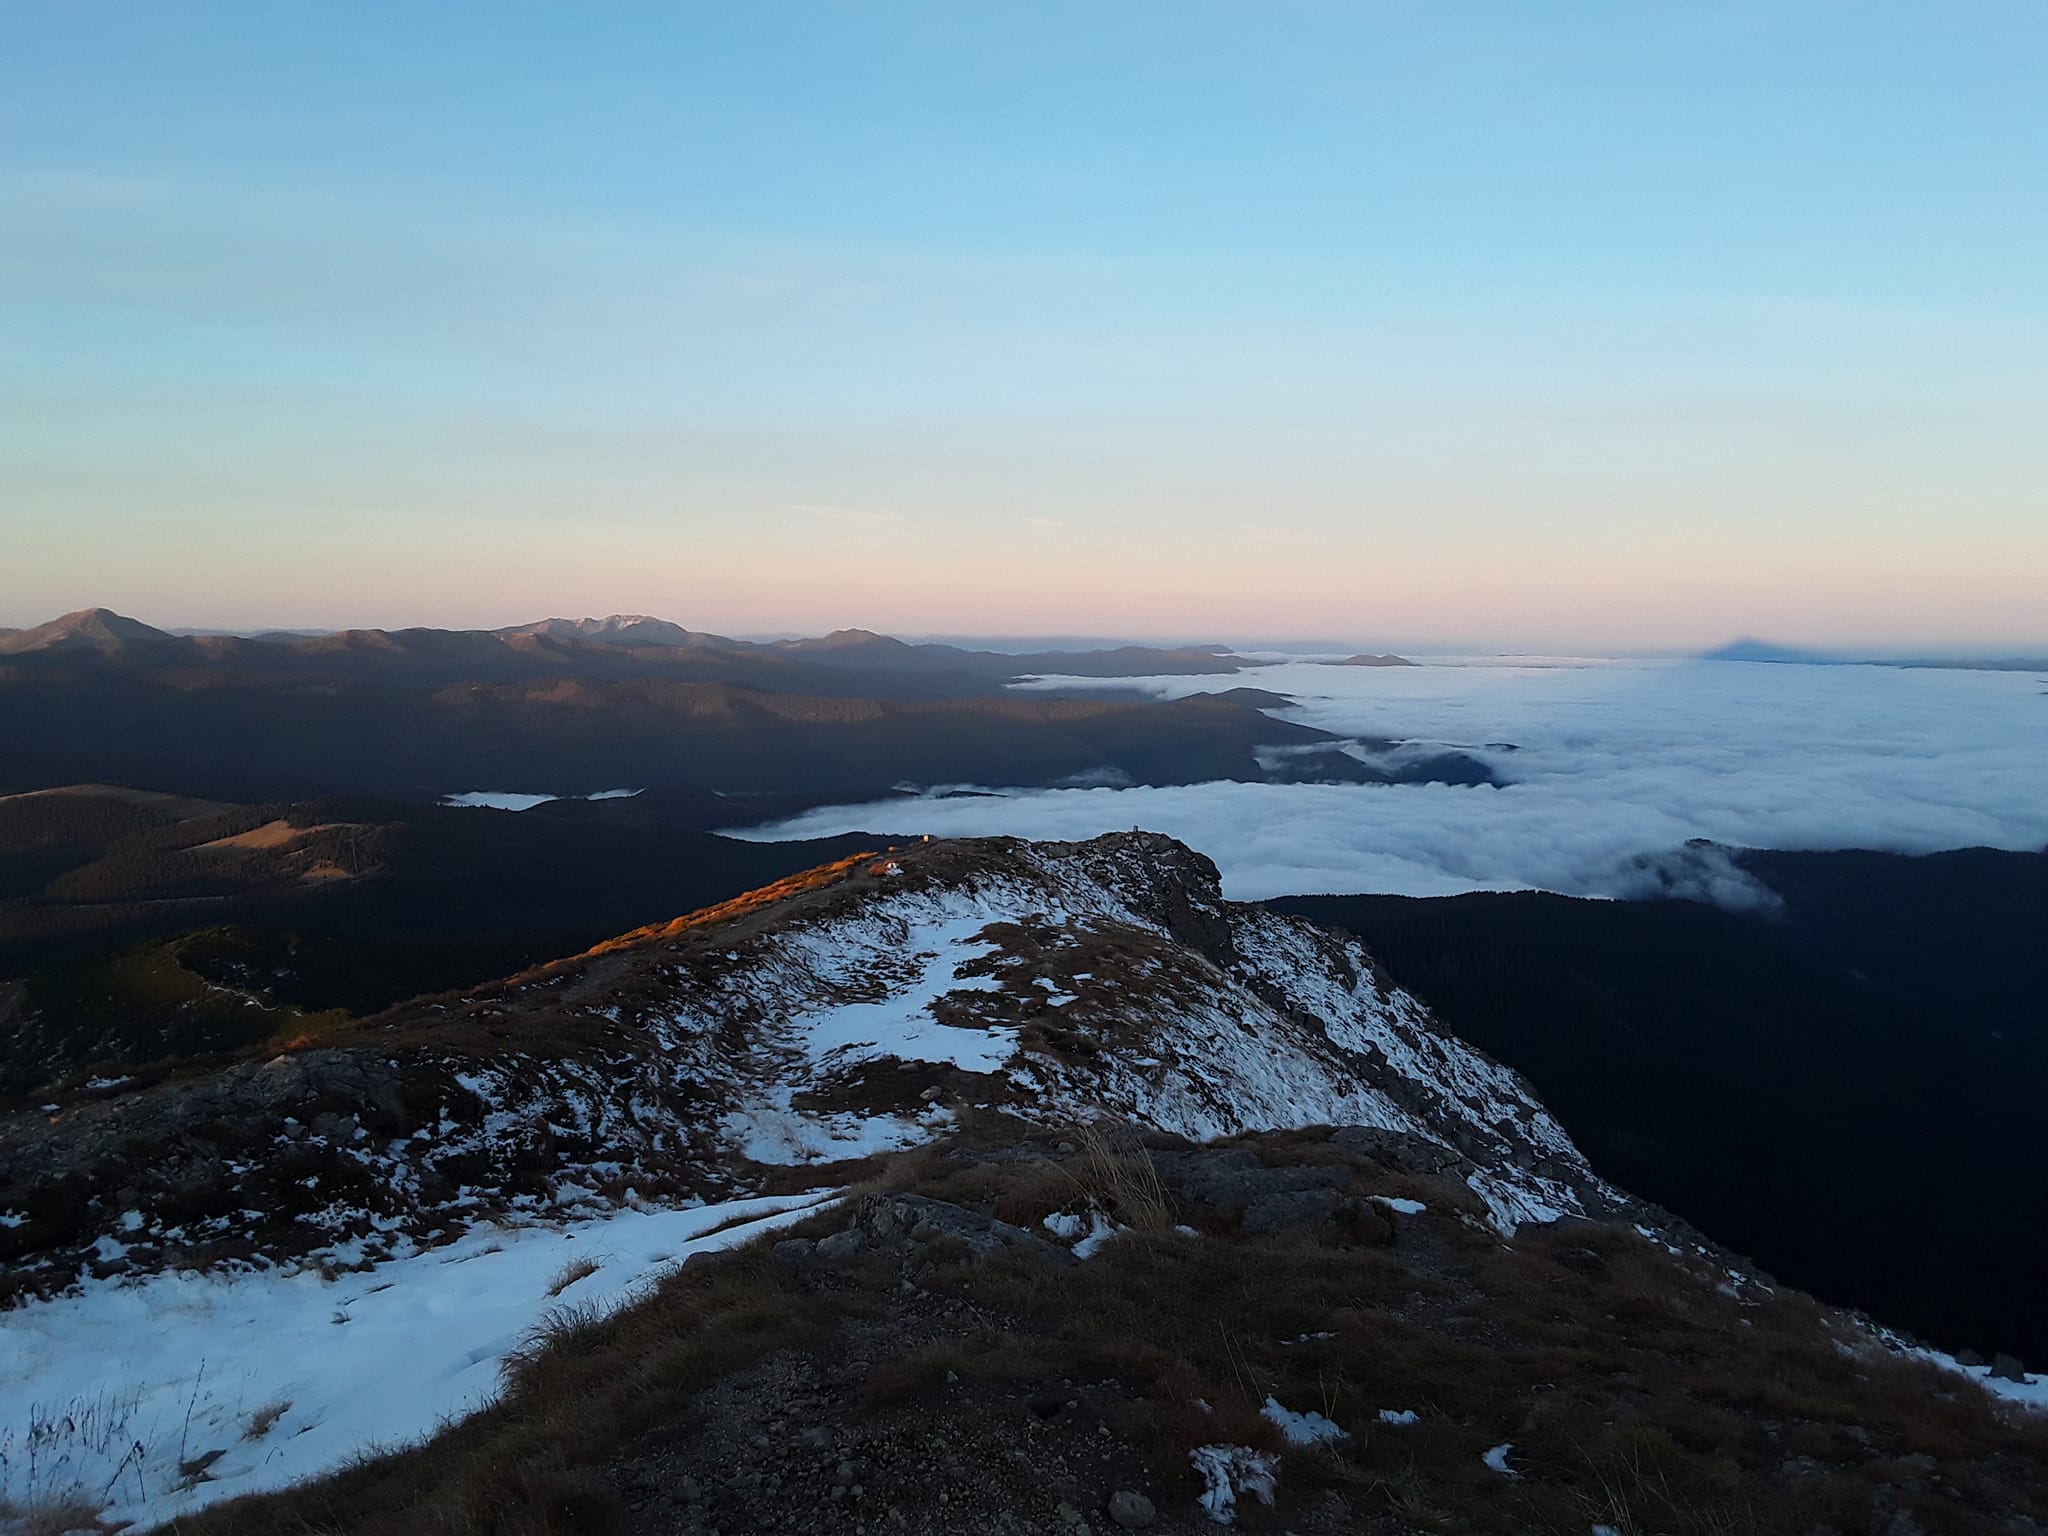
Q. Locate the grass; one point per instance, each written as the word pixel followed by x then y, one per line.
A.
pixel 1640 1397
pixel 66 1517
pixel 579 1268
pixel 1636 1391
pixel 264 1419
pixel 1117 1178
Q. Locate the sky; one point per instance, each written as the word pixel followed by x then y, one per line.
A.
pixel 1565 326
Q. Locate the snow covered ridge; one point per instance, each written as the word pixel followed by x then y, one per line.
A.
pixel 1048 981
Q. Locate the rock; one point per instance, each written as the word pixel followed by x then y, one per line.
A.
pixel 792 1250
pixel 2006 1367
pixel 841 1246
pixel 1234 1180
pixel 1297 1208
pixel 1366 1222
pixel 1402 1149
pixel 1131 1511
pixel 932 1221
pixel 1582 1261
pixel 1970 1357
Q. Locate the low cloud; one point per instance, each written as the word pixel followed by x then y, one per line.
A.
pixel 1618 769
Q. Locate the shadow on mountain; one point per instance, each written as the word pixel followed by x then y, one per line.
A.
pixel 1851 1091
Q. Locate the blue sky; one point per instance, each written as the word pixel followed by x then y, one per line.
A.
pixel 1534 325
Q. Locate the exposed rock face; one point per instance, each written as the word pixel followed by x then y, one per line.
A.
pixel 861 1013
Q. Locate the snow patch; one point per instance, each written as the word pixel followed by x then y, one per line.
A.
pixel 2031 1393
pixel 1309 1428
pixel 121 1381
pixel 1228 1472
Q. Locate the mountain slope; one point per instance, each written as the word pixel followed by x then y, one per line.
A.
pixel 355 1234
pixel 859 1008
pixel 1795 1081
pixel 87 629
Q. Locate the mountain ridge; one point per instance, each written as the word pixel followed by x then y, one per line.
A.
pixel 1132 925
pixel 1052 1144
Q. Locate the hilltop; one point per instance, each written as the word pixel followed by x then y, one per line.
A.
pixel 1012 1185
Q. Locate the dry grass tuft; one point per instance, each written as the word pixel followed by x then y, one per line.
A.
pixel 580 1268
pixel 1119 1178
pixel 264 1419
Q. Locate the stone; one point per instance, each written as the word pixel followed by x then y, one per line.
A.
pixel 1131 1511
pixel 1970 1357
pixel 1582 1261
pixel 930 1221
pixel 1402 1149
pixel 2007 1368
pixel 841 1246
pixel 1295 1208
pixel 792 1250
pixel 1367 1222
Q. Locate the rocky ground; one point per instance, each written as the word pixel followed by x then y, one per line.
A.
pixel 1051 1336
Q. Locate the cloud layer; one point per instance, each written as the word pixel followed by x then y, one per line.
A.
pixel 1617 766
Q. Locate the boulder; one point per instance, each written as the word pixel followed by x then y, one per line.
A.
pixel 1290 1209
pixel 898 1220
pixel 841 1246
pixel 1130 1511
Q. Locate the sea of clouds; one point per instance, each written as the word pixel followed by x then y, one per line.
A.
pixel 1617 766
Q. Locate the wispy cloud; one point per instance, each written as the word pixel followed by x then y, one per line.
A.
pixel 1044 522
pixel 833 513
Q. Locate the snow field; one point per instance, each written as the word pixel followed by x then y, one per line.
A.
pixel 106 1392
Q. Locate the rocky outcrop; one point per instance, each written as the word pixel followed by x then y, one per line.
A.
pixel 852 1014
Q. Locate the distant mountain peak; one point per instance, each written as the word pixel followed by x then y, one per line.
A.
pixel 614 629
pixel 88 628
pixel 1749 648
pixel 854 637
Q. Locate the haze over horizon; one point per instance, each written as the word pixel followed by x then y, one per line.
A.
pixel 1739 648
pixel 1576 329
